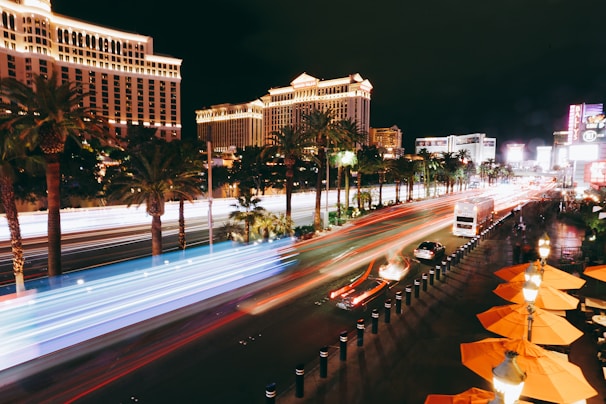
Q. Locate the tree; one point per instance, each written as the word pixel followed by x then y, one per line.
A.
pixel 152 176
pixel 290 144
pixel 319 126
pixel 13 157
pixel 369 162
pixel 352 136
pixel 247 212
pixel 48 113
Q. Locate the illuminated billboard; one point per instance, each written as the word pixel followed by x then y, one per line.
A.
pixel 595 173
pixel 586 123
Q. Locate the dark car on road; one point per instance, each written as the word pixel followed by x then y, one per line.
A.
pixel 430 251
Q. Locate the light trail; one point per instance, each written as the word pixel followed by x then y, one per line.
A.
pixel 89 304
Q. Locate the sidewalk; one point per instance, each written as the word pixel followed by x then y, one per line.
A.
pixel 418 352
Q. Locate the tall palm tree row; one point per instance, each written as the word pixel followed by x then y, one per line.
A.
pixel 45 115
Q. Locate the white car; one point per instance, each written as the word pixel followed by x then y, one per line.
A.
pixel 395 269
pixel 430 251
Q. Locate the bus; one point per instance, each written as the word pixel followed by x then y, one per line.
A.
pixel 472 215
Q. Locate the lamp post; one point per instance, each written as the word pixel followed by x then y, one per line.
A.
pixel 530 291
pixel 508 380
pixel 532 274
pixel 326 216
pixel 544 250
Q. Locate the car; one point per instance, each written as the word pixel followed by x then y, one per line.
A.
pixel 361 295
pixel 430 251
pixel 395 269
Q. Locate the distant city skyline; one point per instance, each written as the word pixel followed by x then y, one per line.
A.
pixel 508 69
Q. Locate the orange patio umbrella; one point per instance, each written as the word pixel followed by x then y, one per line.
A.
pixel 548 297
pixel 549 377
pixel 552 276
pixel 473 395
pixel 512 321
pixel 596 271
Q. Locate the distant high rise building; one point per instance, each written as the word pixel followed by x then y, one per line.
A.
pixel 127 82
pixel 348 98
pixel 387 139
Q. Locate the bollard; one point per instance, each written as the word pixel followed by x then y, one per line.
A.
pixel 299 381
pixel 324 362
pixel 387 311
pixel 343 345
pixel 375 321
pixel 417 286
pixel 399 302
pixel 448 263
pixel 408 290
pixel 424 278
pixel 444 263
pixel 360 327
pixel 432 273
pixel 454 260
pixel 270 393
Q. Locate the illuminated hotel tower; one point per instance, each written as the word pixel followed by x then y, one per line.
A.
pixel 348 98
pixel 127 82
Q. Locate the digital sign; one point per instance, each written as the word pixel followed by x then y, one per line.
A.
pixel 586 123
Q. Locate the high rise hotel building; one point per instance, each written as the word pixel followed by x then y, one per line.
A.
pixel 127 82
pixel 249 124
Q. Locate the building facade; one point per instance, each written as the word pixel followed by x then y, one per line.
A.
pixel 348 98
pixel 231 126
pixel 480 147
pixel 387 139
pixel 127 82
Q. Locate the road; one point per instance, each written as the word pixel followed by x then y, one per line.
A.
pixel 229 353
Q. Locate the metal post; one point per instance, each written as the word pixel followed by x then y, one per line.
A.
pixel 323 362
pixel 270 393
pixel 424 278
pixel 408 290
pixel 299 380
pixel 417 287
pixel 326 215
pixel 387 311
pixel 375 321
pixel 343 345
pixel 431 276
pixel 360 327
pixel 209 149
pixel 399 302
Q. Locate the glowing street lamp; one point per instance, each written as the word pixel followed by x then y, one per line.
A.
pixel 532 274
pixel 508 380
pixel 544 249
pixel 530 291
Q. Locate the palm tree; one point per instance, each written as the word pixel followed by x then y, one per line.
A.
pixel 151 177
pixel 13 151
pixel 190 185
pixel 49 113
pixel 319 126
pixel 369 162
pixel 352 136
pixel 247 212
pixel 290 143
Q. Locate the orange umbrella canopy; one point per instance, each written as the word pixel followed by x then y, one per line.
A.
pixel 596 271
pixel 549 377
pixel 547 298
pixel 473 395
pixel 512 321
pixel 552 276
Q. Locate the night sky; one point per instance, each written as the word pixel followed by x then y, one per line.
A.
pixel 438 67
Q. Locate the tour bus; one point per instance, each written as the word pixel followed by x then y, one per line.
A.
pixel 472 215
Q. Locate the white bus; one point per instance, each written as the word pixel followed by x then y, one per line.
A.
pixel 472 215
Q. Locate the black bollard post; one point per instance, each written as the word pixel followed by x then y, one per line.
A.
pixel 360 327
pixel 323 362
pixel 424 278
pixel 408 290
pixel 387 311
pixel 399 302
pixel 299 380
pixel 375 321
pixel 343 345
pixel 417 287
pixel 448 264
pixel 432 275
pixel 270 393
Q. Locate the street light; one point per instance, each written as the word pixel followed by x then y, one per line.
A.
pixel 530 291
pixel 532 274
pixel 544 249
pixel 508 380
